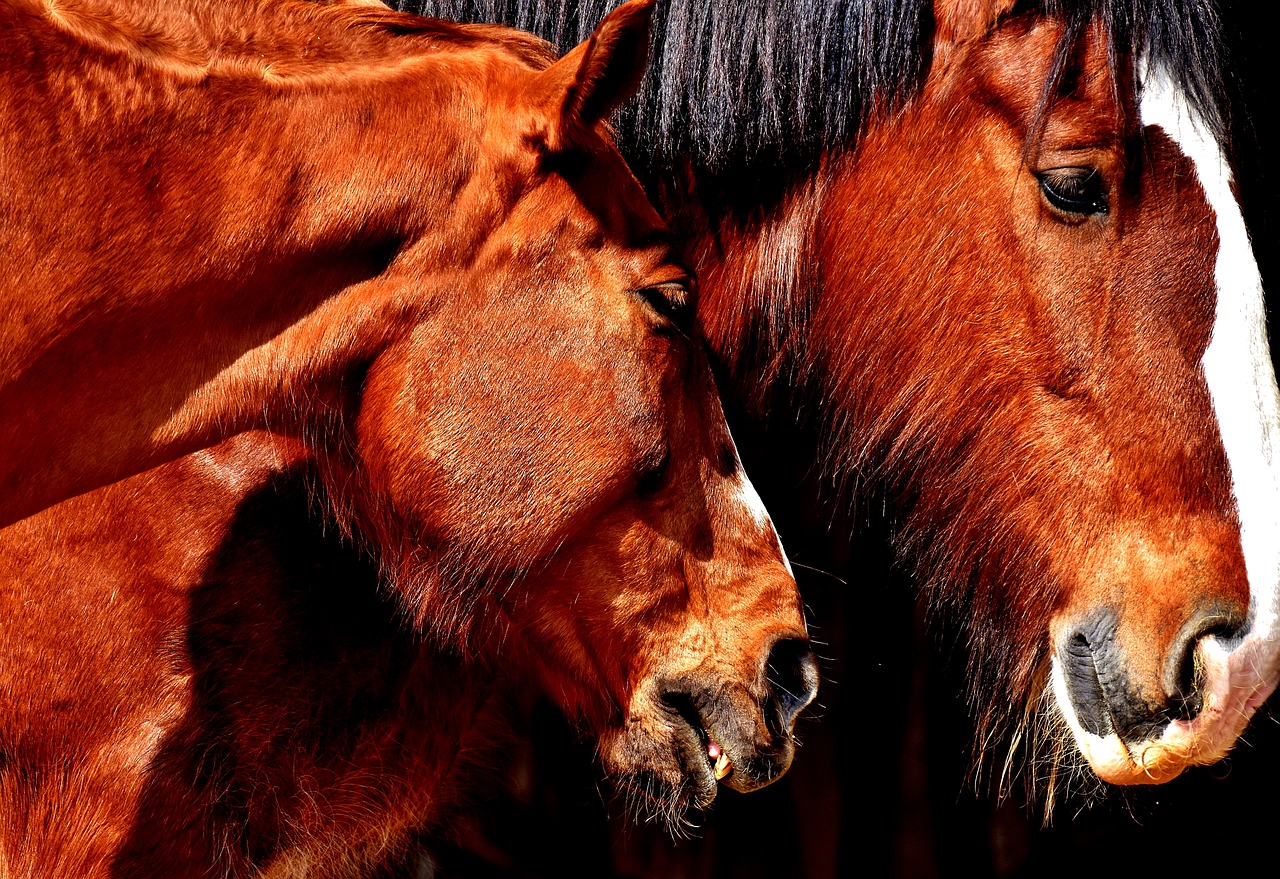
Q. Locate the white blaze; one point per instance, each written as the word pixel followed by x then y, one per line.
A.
pixel 750 498
pixel 1237 364
pixel 1246 403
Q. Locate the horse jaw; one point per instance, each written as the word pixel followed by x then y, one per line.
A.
pixel 1237 678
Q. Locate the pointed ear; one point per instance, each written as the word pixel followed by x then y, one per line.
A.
pixel 960 21
pixel 597 76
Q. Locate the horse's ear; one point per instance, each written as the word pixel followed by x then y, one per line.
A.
pixel 959 21
pixel 593 79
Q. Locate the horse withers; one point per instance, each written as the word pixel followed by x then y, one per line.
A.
pixel 496 445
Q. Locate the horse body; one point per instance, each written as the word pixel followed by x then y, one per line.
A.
pixel 495 449
pixel 963 241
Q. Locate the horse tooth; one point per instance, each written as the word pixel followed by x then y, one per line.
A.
pixel 720 765
pixel 723 766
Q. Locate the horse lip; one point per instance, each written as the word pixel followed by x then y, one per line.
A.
pixel 748 768
pixel 693 739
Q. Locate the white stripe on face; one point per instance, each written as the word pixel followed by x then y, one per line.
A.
pixel 751 499
pixel 1237 367
pixel 1241 381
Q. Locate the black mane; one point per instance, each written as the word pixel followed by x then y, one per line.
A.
pixel 750 84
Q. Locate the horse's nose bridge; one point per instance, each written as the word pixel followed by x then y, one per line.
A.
pixel 740 540
pixel 740 521
pixel 747 608
pixel 750 606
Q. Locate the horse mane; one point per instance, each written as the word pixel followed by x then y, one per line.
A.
pixel 739 89
pixel 273 40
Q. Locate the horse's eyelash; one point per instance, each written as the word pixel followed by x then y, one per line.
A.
pixel 1075 190
pixel 671 300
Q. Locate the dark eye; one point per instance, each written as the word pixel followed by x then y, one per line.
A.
pixel 653 473
pixel 671 300
pixel 1074 190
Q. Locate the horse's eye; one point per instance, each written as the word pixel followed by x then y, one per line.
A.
pixel 671 300
pixel 653 473
pixel 1074 190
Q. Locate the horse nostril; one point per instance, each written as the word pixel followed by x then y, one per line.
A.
pixel 792 673
pixel 1182 672
pixel 1083 652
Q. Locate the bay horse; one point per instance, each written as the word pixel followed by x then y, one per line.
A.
pixel 409 248
pixel 988 256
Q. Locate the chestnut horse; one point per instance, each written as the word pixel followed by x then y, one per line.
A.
pixel 498 448
pixel 988 253
pixel 191 295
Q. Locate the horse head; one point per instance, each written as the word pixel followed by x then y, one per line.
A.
pixel 544 465
pixel 1067 380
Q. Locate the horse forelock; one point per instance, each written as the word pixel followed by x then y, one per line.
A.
pixel 1182 39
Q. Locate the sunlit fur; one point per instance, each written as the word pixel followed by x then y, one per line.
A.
pixel 496 448
pixel 1024 382
pixel 188 296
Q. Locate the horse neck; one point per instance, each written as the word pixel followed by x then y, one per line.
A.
pixel 244 619
pixel 233 283
pixel 401 725
pixel 756 280
pixel 402 722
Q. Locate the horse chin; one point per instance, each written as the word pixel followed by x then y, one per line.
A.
pixel 663 774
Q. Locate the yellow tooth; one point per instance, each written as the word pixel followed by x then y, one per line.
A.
pixel 722 766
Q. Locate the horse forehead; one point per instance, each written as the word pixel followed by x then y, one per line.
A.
pixel 594 178
pixel 1012 67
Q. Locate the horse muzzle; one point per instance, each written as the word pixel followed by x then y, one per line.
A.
pixel 728 736
pixel 699 729
pixel 1143 722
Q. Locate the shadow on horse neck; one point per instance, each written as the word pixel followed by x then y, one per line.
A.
pixel 265 708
